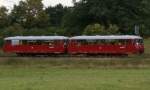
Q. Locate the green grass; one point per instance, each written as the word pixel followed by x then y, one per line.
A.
pixel 147 46
pixel 40 73
pixel 73 79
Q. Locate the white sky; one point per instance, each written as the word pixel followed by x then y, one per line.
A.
pixel 9 3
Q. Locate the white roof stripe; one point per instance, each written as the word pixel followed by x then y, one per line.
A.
pixel 37 38
pixel 107 37
pixel 76 37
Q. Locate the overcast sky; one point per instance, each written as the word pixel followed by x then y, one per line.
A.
pixel 9 3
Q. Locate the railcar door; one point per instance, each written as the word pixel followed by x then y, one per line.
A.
pixel 72 47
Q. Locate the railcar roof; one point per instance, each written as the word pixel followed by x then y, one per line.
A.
pixel 37 38
pixel 107 37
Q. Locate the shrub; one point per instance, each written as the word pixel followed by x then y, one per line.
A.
pixel 97 29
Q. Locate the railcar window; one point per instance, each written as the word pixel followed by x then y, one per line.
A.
pixel 91 42
pixel 38 42
pixel 58 41
pixel 103 42
pixel 15 42
pixel 48 42
pixel 114 41
pixel 121 42
pixel 82 42
pixel 127 41
pixel 7 41
pixel 20 42
pixel 31 42
pixel 111 41
pixel 24 42
pixel 99 42
pixel 108 41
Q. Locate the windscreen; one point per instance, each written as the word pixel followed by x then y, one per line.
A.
pixel 139 41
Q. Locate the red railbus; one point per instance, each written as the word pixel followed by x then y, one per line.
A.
pixel 35 45
pixel 121 44
pixel 23 45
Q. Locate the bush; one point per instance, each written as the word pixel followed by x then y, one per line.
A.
pixel 113 29
pixel 97 29
pixel 94 29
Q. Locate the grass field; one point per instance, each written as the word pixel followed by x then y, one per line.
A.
pixel 128 73
pixel 73 79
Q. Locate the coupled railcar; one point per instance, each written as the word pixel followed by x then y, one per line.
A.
pixel 48 45
pixel 30 45
pixel 123 44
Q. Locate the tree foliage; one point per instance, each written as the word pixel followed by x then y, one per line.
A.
pixel 30 14
pixel 56 14
pixel 90 17
pixel 14 30
pixel 4 20
pixel 123 13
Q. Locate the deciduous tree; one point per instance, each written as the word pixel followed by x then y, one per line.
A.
pixel 30 14
pixel 4 20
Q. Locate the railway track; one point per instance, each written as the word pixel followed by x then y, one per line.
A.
pixel 66 56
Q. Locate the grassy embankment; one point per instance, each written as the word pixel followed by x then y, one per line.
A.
pixel 130 73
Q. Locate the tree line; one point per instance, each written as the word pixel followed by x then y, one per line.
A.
pixel 86 17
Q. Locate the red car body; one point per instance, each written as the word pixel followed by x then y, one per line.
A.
pixel 129 45
pixel 52 45
pixel 123 44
